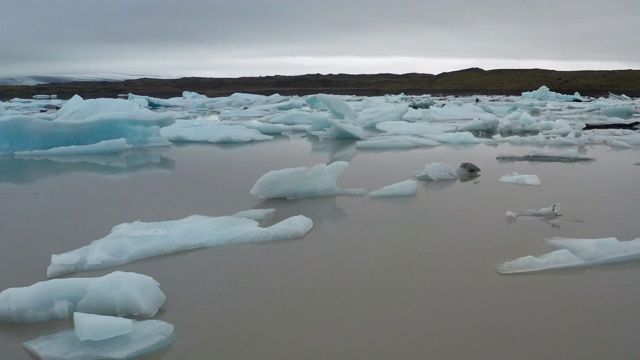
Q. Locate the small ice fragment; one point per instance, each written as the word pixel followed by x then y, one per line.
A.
pixel 548 212
pixel 436 171
pixel 403 188
pixel 292 183
pixel 100 327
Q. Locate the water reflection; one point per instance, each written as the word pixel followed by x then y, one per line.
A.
pixel 318 209
pixel 337 149
pixel 26 170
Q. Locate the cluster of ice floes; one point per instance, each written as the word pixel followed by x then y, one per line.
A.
pixel 569 253
pixel 541 117
pixel 98 305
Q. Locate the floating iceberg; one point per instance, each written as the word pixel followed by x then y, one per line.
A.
pixel 403 188
pixel 436 171
pixel 114 146
pixel 576 253
pixel 210 132
pixel 521 179
pixel 341 129
pixel 550 212
pixel 546 156
pixel 543 93
pixel 292 183
pixel 138 240
pixel 144 337
pixel 371 116
pixel 100 327
pixel 84 122
pixel 118 293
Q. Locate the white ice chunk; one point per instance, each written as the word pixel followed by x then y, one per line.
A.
pixel 295 117
pixel 548 212
pixel 463 137
pixel 144 337
pixel 291 183
pixel 100 327
pixel 118 293
pixel 486 123
pixel 337 108
pixel 543 93
pixel 436 171
pixel 403 188
pixel 522 179
pixel 273 129
pixel 210 132
pixel 416 129
pixel 138 240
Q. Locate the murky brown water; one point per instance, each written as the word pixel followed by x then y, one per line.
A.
pixel 403 278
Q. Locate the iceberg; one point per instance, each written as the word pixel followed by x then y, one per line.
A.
pixel 114 146
pixel 84 122
pixel 340 129
pixel 139 240
pixel 416 129
pixel 436 171
pixel 118 293
pixel 522 179
pixel 100 327
pixel 144 337
pixel 543 93
pixel 371 116
pixel 570 252
pixel 293 183
pixel 403 188
pixel 208 131
pixel 550 212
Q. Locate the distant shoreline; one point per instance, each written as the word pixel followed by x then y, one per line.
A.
pixel 466 82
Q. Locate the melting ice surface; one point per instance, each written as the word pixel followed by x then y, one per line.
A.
pixel 292 183
pixel 138 240
pixel 436 171
pixel 118 293
pixel 403 188
pixel 144 337
pixel 575 253
pixel 100 327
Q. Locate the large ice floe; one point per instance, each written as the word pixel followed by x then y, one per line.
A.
pixel 144 337
pixel 403 188
pixel 80 125
pixel 570 253
pixel 292 183
pixel 138 240
pixel 118 293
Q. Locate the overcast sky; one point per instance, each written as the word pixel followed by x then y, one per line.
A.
pixel 287 37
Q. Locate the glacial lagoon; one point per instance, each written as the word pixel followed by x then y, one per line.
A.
pixel 375 278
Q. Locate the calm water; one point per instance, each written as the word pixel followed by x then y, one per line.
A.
pixel 401 278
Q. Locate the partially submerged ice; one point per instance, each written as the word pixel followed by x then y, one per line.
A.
pixel 139 240
pixel 570 253
pixel 118 293
pixel 521 179
pixel 547 156
pixel 144 337
pixel 292 183
pixel 550 212
pixel 208 131
pixel 436 171
pixel 100 327
pixel 403 188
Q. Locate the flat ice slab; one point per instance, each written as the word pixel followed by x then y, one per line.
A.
pixel 100 327
pixel 292 183
pixel 547 156
pixel 575 252
pixel 138 240
pixel 208 131
pixel 118 293
pixel 144 337
pixel 521 179
pixel 403 188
